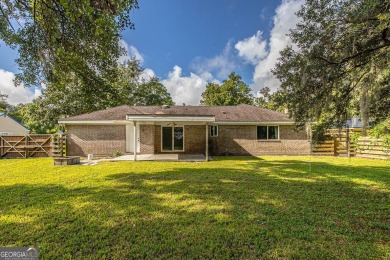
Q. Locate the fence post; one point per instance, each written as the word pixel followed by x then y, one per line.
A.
pixel 62 145
pixel 348 150
pixel 26 148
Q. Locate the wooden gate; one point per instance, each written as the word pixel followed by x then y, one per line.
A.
pixel 32 145
pixel 338 143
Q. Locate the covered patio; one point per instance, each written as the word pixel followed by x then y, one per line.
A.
pixel 167 137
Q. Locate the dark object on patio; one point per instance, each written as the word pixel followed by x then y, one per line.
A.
pixel 67 160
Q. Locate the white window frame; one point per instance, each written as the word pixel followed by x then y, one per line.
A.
pixel 215 128
pixel 267 133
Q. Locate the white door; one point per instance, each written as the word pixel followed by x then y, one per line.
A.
pixel 130 139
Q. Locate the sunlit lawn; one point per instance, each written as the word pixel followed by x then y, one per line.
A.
pixel 267 207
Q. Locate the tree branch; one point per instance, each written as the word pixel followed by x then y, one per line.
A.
pixel 348 58
pixel 6 17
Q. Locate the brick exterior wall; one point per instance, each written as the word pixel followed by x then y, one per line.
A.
pixel 195 139
pixel 242 140
pixel 157 139
pixel 147 134
pixel 95 139
pixel 235 140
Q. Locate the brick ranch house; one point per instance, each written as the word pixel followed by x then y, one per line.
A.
pixel 218 130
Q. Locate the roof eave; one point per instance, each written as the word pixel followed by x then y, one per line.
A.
pixel 92 122
pixel 254 123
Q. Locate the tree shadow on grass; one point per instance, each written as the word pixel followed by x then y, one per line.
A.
pixel 253 209
pixel 349 172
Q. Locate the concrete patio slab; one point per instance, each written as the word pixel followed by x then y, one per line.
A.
pixel 174 157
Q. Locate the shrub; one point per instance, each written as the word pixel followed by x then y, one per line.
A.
pixel 118 153
pixel 381 130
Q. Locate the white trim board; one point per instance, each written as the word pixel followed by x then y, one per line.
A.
pixel 254 123
pixel 94 122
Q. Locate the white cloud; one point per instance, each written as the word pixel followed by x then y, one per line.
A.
pixel 147 74
pixel 183 89
pixel 131 52
pixel 16 95
pixel 186 89
pixel 252 49
pixel 283 20
pixel 221 65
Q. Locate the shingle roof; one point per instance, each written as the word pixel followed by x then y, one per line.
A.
pixel 6 115
pixel 240 113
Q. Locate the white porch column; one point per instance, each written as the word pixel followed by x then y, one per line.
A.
pixel 135 140
pixel 207 142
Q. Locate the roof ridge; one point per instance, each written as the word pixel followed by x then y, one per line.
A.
pixel 97 111
pixel 243 112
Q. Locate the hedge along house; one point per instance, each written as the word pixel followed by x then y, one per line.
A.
pixel 218 130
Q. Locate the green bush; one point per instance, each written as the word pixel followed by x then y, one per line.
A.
pixel 354 137
pixel 118 153
pixel 381 130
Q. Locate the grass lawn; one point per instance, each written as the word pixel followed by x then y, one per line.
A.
pixel 266 207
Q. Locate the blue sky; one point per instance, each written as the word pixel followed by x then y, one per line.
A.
pixel 187 43
pixel 176 32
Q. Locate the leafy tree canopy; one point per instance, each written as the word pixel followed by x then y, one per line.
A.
pixel 340 62
pixel 269 100
pixel 134 89
pixel 62 40
pixel 3 103
pixel 231 92
pixel 8 108
pixel 73 98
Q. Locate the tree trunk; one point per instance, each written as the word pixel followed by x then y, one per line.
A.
pixel 364 107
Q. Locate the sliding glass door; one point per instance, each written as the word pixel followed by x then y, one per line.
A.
pixel 172 139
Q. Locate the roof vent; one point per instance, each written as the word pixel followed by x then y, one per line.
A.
pixel 225 113
pixel 165 106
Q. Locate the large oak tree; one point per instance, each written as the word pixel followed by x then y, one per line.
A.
pixel 340 62
pixel 64 40
pixel 132 87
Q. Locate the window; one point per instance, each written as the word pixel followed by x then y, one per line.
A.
pixel 267 132
pixel 214 131
pixel 172 138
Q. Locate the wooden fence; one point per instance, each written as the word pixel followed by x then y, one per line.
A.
pixel 338 143
pixel 373 148
pixel 32 145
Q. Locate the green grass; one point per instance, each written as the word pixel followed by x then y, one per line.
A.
pixel 266 207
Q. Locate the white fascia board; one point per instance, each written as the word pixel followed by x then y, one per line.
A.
pixel 94 122
pixel 156 118
pixel 254 123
